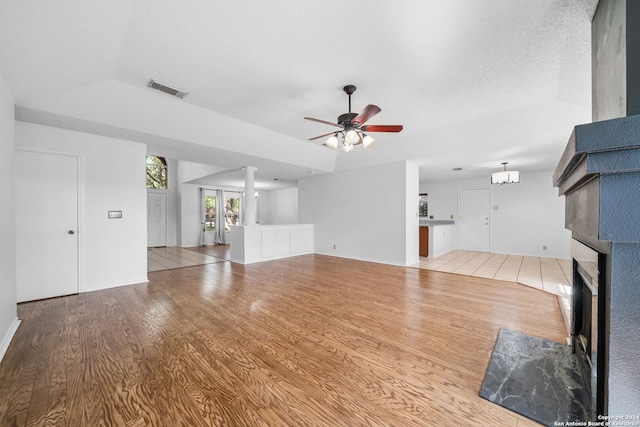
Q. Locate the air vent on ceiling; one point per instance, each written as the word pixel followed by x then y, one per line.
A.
pixel 153 84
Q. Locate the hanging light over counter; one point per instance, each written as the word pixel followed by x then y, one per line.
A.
pixel 505 176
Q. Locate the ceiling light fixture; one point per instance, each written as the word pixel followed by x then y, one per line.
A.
pixel 353 127
pixel 332 142
pixel 367 141
pixel 349 139
pixel 505 176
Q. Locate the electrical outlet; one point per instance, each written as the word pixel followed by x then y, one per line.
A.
pixel 334 246
pixel 544 247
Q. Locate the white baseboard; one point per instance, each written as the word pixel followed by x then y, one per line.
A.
pixel 103 286
pixel 4 345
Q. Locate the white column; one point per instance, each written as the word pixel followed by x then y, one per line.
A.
pixel 249 196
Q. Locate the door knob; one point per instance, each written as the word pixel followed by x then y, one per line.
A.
pixel 71 232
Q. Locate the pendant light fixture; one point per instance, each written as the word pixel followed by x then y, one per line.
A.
pixel 505 176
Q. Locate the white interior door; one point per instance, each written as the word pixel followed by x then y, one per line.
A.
pixel 473 219
pixel 46 225
pixel 156 220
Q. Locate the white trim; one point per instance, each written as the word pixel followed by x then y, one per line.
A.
pixel 4 345
pixel 357 258
pixel 104 286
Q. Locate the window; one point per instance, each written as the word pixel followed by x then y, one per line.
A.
pixel 156 172
pixel 423 206
pixel 231 211
pixel 226 201
pixel 210 215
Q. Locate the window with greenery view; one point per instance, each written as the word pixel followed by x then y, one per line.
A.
pixel 156 172
pixel 210 218
pixel 423 205
pixel 231 212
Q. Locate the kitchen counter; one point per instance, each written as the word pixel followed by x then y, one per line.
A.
pixel 436 237
pixel 433 222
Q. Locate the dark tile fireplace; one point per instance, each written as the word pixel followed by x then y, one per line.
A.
pixel 586 327
pixel 599 175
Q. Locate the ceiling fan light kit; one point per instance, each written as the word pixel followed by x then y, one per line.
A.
pixel 332 142
pixel 367 141
pixel 353 129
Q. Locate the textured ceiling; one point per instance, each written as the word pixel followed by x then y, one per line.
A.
pixel 474 83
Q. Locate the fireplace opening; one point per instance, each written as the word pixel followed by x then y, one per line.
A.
pixel 588 269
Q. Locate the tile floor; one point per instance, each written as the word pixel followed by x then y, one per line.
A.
pixel 551 275
pixel 547 274
pixel 173 257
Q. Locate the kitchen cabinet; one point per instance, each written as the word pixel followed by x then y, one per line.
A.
pixel 424 241
pixel 436 237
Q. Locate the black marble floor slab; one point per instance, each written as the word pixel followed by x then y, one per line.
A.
pixel 536 378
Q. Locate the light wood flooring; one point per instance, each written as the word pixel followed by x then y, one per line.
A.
pixel 309 341
pixel 551 275
pixel 547 274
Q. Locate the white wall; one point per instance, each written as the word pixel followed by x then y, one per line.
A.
pixel 524 217
pixel 279 206
pixel 412 226
pixel 363 212
pixel 112 252
pixel 190 216
pixel 8 295
pixel 172 202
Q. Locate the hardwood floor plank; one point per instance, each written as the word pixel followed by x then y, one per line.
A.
pixel 310 340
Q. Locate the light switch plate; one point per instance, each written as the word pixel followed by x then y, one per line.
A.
pixel 115 214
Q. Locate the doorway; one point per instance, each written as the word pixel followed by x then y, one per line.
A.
pixel 156 219
pixel 47 212
pixel 473 219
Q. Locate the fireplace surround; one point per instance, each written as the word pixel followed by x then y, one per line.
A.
pixel 587 323
pixel 599 175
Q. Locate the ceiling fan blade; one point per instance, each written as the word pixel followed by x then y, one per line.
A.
pixel 382 128
pixel 322 136
pixel 368 112
pixel 322 121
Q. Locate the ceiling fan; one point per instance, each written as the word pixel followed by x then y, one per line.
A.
pixel 353 126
